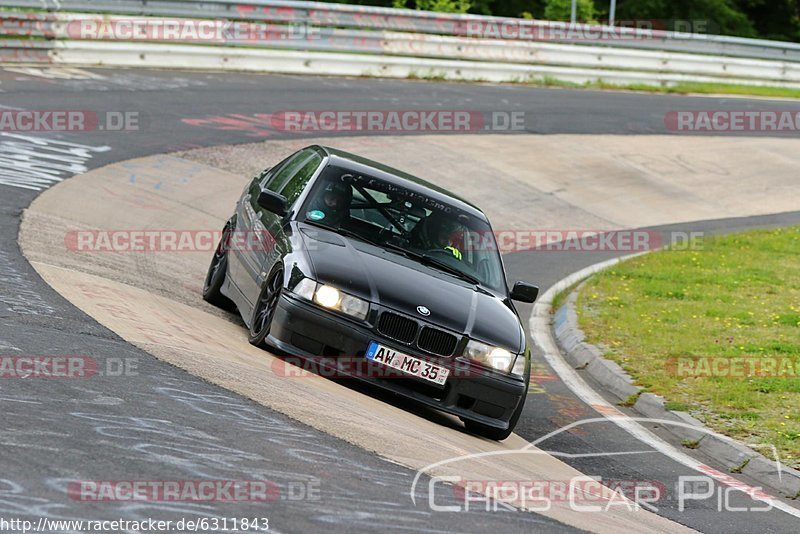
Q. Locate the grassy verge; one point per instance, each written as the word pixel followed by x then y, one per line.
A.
pixel 678 89
pixel 561 296
pixel 681 88
pixel 670 317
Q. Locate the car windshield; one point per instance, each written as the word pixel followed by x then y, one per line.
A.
pixel 425 229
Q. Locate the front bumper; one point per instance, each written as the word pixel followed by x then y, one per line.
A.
pixel 471 392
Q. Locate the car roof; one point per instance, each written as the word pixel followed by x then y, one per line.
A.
pixel 378 170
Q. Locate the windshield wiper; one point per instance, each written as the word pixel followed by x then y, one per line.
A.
pixel 350 233
pixel 433 262
pixel 427 260
pixel 404 251
pixel 343 231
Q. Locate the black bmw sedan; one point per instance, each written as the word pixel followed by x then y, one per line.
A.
pixel 333 257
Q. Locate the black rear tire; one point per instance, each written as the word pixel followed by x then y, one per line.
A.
pixel 217 270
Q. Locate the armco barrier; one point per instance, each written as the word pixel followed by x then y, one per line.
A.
pixel 377 18
pixel 14 51
pixel 362 33
pixel 168 56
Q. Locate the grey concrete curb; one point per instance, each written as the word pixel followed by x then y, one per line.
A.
pixel 735 456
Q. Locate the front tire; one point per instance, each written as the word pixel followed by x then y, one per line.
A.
pixel 497 434
pixel 217 270
pixel 264 311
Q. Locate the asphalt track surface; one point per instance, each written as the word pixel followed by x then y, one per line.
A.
pixel 166 424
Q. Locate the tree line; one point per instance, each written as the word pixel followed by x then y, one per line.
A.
pixel 762 19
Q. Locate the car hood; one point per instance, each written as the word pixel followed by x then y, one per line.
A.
pixel 394 281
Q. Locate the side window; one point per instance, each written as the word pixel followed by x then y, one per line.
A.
pixel 298 182
pixel 279 179
pixel 267 174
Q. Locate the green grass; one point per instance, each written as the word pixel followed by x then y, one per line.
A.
pixel 722 89
pixel 429 75
pixel 681 88
pixel 677 406
pixel 630 401
pixel 738 297
pixel 561 297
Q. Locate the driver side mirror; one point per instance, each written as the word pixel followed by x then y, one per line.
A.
pixel 273 202
pixel 524 292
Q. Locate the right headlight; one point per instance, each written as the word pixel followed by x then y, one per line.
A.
pixel 495 357
pixel 332 298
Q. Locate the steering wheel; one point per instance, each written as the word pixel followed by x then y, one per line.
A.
pixel 392 233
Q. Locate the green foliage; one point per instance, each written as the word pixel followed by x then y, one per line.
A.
pixel 562 10
pixel 766 19
pixel 441 6
pixel 703 16
pixel 774 19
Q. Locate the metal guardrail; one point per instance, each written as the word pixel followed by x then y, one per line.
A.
pixel 377 18
pixel 167 56
pixel 17 24
pixel 275 30
pixel 26 51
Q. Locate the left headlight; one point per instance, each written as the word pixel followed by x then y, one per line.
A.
pixel 494 357
pixel 332 298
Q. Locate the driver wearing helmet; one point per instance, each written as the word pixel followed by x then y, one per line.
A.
pixel 332 205
pixel 436 232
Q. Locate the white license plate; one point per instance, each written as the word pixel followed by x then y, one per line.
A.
pixel 408 364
